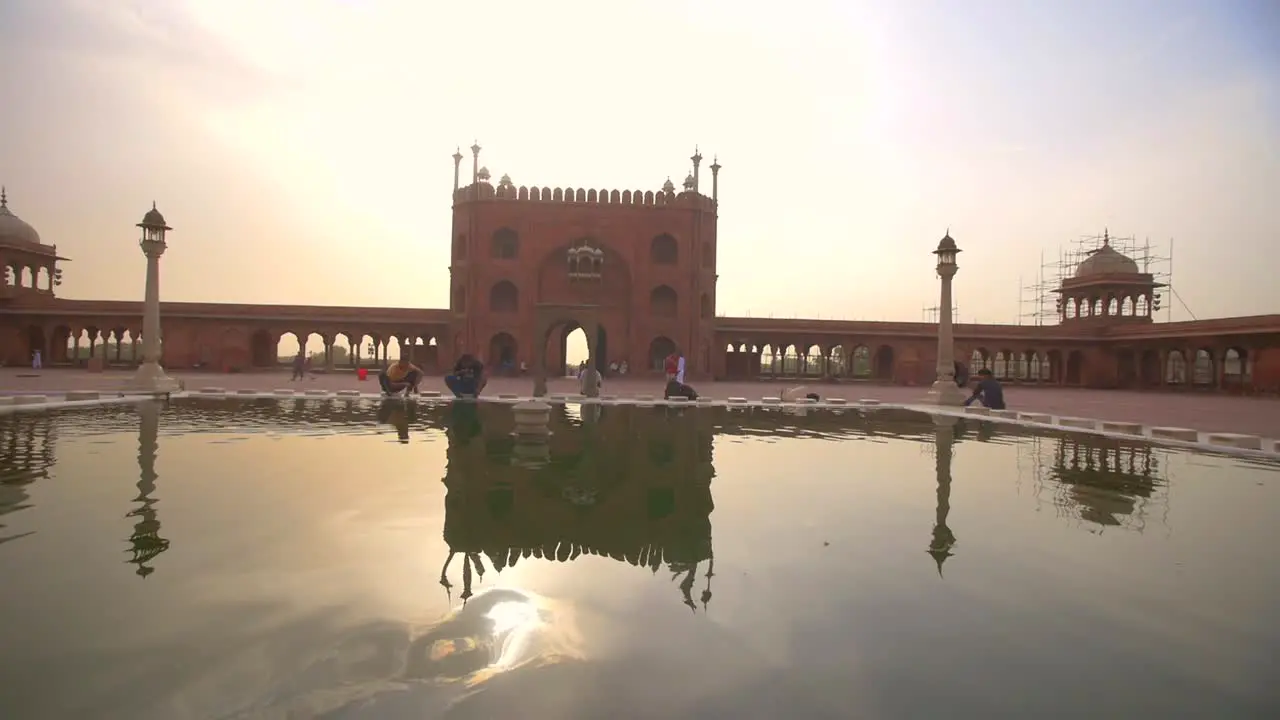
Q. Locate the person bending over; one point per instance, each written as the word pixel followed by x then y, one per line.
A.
pixel 400 376
pixel 679 389
pixel 988 390
pixel 467 379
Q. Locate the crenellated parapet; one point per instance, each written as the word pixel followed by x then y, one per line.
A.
pixel 483 191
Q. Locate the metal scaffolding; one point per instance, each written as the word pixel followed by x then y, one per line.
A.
pixel 1038 301
pixel 930 314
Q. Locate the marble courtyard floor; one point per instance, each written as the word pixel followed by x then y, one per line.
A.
pixel 1205 412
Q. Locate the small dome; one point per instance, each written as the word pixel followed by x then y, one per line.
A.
pixel 483 174
pixel 1106 261
pixel 153 219
pixel 688 182
pixel 668 186
pixel 12 228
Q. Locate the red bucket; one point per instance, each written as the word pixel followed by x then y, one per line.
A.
pixel 362 374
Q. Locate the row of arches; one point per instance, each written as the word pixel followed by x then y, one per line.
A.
pixel 1111 306
pixel 31 277
pixel 664 302
pixel 122 346
pixel 1200 367
pixel 799 361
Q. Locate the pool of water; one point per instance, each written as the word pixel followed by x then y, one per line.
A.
pixel 345 559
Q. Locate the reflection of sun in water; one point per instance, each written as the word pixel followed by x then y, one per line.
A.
pixel 496 631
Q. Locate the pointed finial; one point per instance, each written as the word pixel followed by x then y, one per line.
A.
pixel 4 197
pixel 475 148
pixel 1106 237
pixel 153 204
pixel 715 164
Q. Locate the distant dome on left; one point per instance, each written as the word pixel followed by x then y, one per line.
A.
pixel 12 227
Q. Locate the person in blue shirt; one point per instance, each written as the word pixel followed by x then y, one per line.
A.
pixel 988 390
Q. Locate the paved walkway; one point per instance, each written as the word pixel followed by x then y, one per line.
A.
pixel 1209 413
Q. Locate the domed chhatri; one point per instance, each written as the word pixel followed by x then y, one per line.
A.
pixel 12 227
pixel 668 186
pixel 153 219
pixel 1106 261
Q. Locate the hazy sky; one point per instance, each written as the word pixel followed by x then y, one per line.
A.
pixel 300 148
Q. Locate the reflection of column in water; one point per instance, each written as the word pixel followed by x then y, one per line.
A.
pixel 533 418
pixel 943 540
pixel 145 543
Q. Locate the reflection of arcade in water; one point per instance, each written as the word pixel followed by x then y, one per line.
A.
pixel 633 485
pixel 27 454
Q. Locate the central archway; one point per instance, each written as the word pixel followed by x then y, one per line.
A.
pixel 503 353
pixel 559 360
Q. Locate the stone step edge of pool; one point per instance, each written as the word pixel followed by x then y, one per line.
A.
pixel 1234 443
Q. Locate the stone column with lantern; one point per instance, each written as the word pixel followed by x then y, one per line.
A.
pixel 151 377
pixel 944 390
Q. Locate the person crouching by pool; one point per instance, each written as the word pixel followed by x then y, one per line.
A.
pixel 467 379
pixel 988 390
pixel 400 376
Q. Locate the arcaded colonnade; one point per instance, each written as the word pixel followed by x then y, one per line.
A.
pixel 221 337
pixel 1237 354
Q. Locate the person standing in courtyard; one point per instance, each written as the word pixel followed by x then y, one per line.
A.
pixel 671 365
pixel 37 362
pixel 988 390
pixel 467 379
pixel 401 376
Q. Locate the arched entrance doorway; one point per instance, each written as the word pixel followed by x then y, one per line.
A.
pixel 558 355
pixel 503 353
pixel 659 349
pixel 36 341
pixel 883 364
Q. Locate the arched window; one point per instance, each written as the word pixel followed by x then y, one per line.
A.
pixel 505 244
pixel 663 250
pixel 663 302
pixel 504 297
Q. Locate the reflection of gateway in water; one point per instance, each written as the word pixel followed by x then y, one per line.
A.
pixel 634 486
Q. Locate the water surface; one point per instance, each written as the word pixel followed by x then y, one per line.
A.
pixel 345 559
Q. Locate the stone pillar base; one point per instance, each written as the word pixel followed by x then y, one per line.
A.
pixel 946 392
pixel 151 378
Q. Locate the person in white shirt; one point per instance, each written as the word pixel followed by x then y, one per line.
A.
pixel 680 370
pixel 36 361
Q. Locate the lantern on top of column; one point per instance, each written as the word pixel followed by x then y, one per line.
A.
pixel 153 232
pixel 947 252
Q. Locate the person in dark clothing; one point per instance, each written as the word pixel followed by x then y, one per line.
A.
pixel 467 379
pixel 988 390
pixel 679 389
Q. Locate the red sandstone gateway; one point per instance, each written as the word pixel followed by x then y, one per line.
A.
pixel 636 269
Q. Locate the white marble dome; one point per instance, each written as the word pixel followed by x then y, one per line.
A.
pixel 12 227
